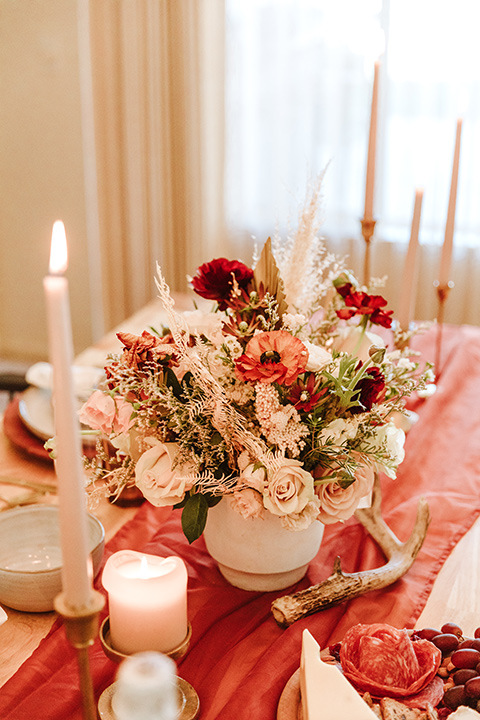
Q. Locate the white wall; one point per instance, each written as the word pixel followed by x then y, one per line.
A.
pixel 41 170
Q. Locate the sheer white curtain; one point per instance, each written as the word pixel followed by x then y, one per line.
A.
pixel 299 79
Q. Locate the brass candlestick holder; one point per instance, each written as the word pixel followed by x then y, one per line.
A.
pixel 443 291
pixel 188 700
pixel 81 629
pixel 368 229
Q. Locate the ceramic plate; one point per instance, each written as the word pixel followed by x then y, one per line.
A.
pixel 36 413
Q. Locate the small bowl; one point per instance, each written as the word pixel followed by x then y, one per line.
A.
pixel 30 556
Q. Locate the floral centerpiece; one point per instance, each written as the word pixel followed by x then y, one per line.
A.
pixel 279 395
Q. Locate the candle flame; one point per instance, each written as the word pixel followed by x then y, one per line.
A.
pixel 144 571
pixel 58 249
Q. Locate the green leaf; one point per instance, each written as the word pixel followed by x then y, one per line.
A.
pixel 194 516
pixel 212 500
pixel 172 382
pixel 187 380
pixel 223 470
pixel 181 504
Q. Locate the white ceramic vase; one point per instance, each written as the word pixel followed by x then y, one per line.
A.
pixel 259 553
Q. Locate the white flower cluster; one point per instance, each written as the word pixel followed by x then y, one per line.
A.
pixel 281 425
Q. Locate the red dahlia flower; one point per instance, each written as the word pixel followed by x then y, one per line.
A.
pixel 372 390
pixel 360 303
pixel 215 280
pixel 272 357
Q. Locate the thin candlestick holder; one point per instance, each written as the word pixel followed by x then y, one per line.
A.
pixel 368 229
pixel 81 629
pixel 443 291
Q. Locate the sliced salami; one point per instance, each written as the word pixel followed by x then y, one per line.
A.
pixel 384 661
pixel 430 695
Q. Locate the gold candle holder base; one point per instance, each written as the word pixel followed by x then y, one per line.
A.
pixel 368 229
pixel 443 291
pixel 117 656
pixel 188 702
pixel 81 629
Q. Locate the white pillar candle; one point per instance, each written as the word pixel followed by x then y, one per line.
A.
pixel 408 289
pixel 446 259
pixel 76 566
pixel 372 149
pixel 147 598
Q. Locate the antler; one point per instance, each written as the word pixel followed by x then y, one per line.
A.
pixel 342 586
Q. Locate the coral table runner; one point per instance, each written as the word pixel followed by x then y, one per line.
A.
pixel 239 659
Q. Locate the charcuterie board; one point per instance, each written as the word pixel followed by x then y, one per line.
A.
pixel 419 675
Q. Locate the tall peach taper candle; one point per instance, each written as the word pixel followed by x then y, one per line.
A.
pixel 372 149
pixel 76 578
pixel 408 290
pixel 446 259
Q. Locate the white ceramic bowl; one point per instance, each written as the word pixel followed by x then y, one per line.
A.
pixel 30 556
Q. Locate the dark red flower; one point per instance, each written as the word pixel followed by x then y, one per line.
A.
pixel 271 357
pixel 215 280
pixel 372 390
pixel 305 395
pixel 360 303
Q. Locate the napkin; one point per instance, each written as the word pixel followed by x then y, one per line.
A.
pixel 3 616
pixel 85 378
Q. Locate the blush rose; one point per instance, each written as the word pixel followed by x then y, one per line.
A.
pixel 339 504
pixel 289 489
pixel 102 412
pixel 248 503
pixel 155 477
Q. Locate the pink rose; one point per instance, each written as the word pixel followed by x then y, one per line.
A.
pixel 155 477
pixel 248 503
pixel 337 503
pixel 102 412
pixel 289 489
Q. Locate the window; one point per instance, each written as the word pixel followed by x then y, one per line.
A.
pixel 300 74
